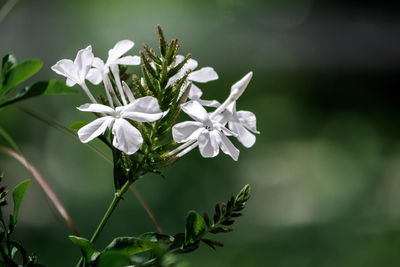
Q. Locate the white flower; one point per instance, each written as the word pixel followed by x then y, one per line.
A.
pixel 243 123
pixel 237 90
pixel 202 75
pixel 210 135
pixel 100 71
pixel 76 71
pixel 126 137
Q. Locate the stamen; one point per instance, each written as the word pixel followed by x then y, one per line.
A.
pixel 181 147
pixel 187 150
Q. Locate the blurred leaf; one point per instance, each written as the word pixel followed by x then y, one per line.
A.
pixel 19 73
pixel 129 245
pixel 77 125
pixel 39 88
pixel 112 258
pixel 87 248
pixel 195 227
pixel 18 194
pixel 7 63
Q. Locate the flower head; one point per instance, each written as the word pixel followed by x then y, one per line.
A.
pixel 243 123
pixel 210 135
pixel 126 137
pixel 76 71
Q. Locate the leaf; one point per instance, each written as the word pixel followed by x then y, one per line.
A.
pixel 129 245
pixel 7 63
pixel 112 258
pixel 217 214
pixel 51 87
pixel 18 194
pixel 77 125
pixel 19 73
pixel 195 227
pixel 87 248
pixel 212 243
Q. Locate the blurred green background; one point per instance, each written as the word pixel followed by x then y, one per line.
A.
pixel 325 170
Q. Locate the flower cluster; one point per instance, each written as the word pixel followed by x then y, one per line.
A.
pixel 140 116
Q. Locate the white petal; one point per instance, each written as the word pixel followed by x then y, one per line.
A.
pixel 187 130
pixel 191 64
pixel 208 144
pixel 195 110
pixel 144 109
pixel 128 60
pixel 244 136
pixel 179 59
pixel 147 104
pixel 67 68
pixel 94 76
pixel 97 108
pixel 70 82
pixel 92 130
pixel 195 92
pixel 83 61
pixel 128 92
pixel 238 88
pixel 227 147
pixel 203 75
pixel 248 119
pixel 208 103
pixel 126 137
pixel 119 49
pixel 98 63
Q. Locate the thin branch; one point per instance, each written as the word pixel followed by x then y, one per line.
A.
pixel 44 185
pixel 7 8
pixel 147 209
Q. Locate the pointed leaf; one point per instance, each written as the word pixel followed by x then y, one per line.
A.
pixel 7 63
pixel 19 73
pixel 129 245
pixel 113 258
pixel 195 227
pixel 39 88
pixel 87 248
pixel 18 194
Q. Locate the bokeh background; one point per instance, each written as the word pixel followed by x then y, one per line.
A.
pixel 325 170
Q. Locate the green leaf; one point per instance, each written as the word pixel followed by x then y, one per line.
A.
pixel 51 87
pixel 19 73
pixel 18 194
pixel 77 125
pixel 129 245
pixel 195 227
pixel 87 248
pixel 7 63
pixel 112 258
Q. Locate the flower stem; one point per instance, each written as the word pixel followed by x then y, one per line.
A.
pixel 114 203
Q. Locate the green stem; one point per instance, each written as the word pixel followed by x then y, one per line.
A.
pixel 117 197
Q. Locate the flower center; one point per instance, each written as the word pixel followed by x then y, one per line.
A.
pixel 209 125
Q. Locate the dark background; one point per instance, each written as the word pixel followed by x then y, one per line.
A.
pixel 325 170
